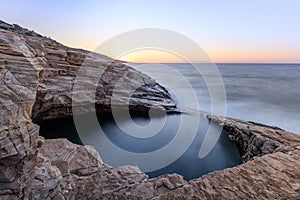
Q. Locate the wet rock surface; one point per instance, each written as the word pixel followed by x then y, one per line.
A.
pixel 37 82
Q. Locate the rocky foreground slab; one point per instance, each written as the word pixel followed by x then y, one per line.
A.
pixel 37 79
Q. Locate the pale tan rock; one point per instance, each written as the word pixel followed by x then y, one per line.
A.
pixel 271 168
pixel 92 179
pixel 69 157
pixel 46 182
pixel 36 80
pixel 273 176
pixel 19 75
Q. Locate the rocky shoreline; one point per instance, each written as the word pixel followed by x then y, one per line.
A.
pixel 37 77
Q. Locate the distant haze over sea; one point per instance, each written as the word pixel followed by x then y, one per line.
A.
pixel 265 93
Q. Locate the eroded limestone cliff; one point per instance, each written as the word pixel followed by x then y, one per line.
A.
pixel 37 79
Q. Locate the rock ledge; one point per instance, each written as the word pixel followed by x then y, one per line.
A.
pixel 37 79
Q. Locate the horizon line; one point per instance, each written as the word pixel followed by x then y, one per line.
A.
pixel 291 63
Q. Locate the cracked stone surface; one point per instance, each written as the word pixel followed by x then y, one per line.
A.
pixel 37 77
pixel 36 81
pixel 270 171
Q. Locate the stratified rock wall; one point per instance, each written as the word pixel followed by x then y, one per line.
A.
pixel 19 78
pixel 36 82
pixel 56 92
pixel 271 168
pixel 85 176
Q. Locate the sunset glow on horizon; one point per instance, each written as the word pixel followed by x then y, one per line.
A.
pixel 159 56
pixel 151 56
pixel 229 31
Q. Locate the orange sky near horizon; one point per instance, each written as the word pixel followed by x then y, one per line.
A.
pixel 230 31
pixel 258 56
pixel 150 56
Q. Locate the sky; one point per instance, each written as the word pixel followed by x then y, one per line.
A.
pixel 228 30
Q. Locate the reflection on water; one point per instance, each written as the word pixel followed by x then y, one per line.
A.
pixel 224 154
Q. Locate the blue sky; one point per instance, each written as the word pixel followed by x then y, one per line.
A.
pixel 229 30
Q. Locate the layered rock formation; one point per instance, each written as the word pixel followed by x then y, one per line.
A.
pixel 270 171
pixel 18 135
pixel 85 176
pixel 37 83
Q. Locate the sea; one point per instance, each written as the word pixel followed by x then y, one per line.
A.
pixel 264 93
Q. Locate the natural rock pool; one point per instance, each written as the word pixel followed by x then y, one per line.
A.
pixel 224 154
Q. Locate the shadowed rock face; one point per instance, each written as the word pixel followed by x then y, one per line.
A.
pixel 37 77
pixel 56 89
pixel 97 78
pixel 37 80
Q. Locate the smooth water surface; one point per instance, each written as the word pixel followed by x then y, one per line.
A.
pixel 265 93
pixel 224 154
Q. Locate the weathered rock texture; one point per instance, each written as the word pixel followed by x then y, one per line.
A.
pixel 273 173
pixel 255 139
pixel 271 168
pixel 18 135
pixel 85 176
pixel 37 83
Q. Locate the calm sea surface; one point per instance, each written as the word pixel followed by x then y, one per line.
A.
pixel 223 155
pixel 266 93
